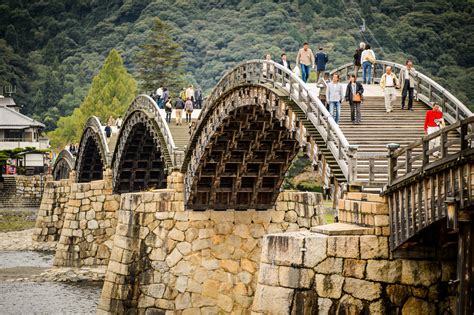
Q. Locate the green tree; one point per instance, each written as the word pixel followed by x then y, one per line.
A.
pixel 112 91
pixel 160 61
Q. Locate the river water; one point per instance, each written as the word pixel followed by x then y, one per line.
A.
pixel 41 297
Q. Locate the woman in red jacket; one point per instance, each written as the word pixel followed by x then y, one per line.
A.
pixel 434 122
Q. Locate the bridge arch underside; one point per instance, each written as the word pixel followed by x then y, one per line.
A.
pixel 244 163
pixel 139 163
pixel 61 170
pixel 90 160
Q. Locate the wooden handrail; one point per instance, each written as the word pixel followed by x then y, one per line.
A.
pixel 425 152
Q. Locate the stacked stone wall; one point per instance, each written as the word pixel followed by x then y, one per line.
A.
pixel 90 220
pixel 30 188
pixel 22 191
pixel 364 209
pixel 50 217
pixel 349 270
pixel 166 258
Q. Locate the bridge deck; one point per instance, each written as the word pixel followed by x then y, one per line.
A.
pixel 379 128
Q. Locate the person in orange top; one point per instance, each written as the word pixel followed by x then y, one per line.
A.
pixel 434 122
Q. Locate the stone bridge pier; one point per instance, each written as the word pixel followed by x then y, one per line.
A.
pixel 166 258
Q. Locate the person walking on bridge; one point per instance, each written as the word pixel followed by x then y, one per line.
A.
pixel 188 107
pixel 321 60
pixel 284 62
pixel 334 96
pixel 165 96
pixel 433 122
pixel 367 58
pixel 168 111
pixel 407 82
pixel 179 106
pixel 305 59
pixel 357 57
pixel 354 93
pixel 159 96
pixel 388 82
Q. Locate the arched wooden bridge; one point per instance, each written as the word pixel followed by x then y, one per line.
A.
pixel 256 120
pixel 261 115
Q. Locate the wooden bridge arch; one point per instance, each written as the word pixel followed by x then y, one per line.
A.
pixel 145 150
pixel 93 153
pixel 63 165
pixel 279 107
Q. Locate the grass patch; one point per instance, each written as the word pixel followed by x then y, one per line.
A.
pixel 16 220
pixel 329 218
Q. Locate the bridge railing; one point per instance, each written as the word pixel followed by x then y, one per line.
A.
pixel 426 90
pixel 429 151
pixel 146 103
pixel 421 184
pixel 277 76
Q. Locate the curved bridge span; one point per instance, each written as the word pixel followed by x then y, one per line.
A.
pixel 256 120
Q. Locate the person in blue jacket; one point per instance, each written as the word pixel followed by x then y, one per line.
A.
pixel 321 60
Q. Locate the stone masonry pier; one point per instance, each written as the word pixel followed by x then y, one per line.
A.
pixel 167 259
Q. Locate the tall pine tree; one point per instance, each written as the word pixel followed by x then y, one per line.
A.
pixel 113 90
pixel 160 61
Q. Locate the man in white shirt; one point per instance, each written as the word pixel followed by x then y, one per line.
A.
pixel 388 82
pixel 334 95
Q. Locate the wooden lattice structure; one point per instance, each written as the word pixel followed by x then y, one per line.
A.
pixel 63 165
pixel 93 153
pixel 145 151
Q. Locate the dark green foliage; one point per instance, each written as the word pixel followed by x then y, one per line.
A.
pixel 160 61
pixel 50 50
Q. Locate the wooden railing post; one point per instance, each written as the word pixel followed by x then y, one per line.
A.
pixel 392 162
pixel 352 165
pixel 464 141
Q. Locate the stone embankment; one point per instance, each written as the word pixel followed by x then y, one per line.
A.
pixel 21 191
pixel 167 259
pixel 344 268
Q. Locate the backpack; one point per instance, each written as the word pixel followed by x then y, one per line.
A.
pixel 370 58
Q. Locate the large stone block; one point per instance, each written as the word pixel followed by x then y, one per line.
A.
pixel 330 265
pixel 354 268
pixel 343 246
pixel 415 272
pixel 272 300
pixel 329 286
pixel 283 249
pixel 414 306
pixel 295 277
pixel 384 270
pixel 373 247
pixel 268 274
pixel 362 289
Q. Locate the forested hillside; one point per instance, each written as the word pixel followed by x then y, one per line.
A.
pixel 50 50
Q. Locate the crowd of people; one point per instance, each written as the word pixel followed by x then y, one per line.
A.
pixel 334 92
pixel 187 100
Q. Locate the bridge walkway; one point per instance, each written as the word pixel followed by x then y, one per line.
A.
pixel 379 128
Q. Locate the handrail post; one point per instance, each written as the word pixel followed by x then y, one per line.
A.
pixel 426 148
pixel 464 131
pixel 352 163
pixel 392 162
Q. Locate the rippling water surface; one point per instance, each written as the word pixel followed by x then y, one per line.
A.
pixel 41 297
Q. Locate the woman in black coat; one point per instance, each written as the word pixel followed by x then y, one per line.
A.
pixel 354 92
